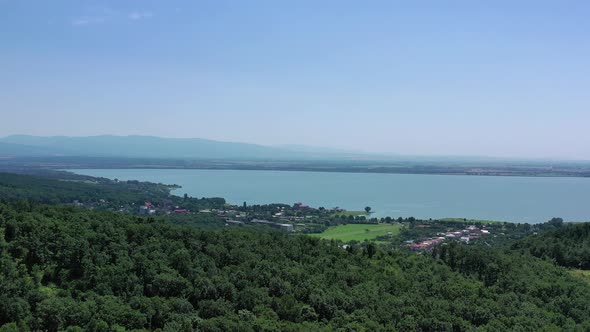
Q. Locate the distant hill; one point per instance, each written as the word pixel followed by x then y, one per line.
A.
pixel 19 150
pixel 198 149
pixel 146 147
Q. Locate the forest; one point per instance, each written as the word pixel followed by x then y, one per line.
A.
pixel 69 268
pixel 65 188
pixel 65 268
pixel 568 246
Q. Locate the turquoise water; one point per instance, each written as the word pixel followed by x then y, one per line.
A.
pixel 518 199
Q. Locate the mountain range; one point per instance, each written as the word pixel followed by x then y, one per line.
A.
pixel 156 147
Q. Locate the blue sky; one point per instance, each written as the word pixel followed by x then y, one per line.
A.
pixel 492 78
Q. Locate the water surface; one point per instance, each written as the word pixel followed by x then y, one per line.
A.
pixel 518 199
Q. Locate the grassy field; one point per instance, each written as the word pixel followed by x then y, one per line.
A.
pixel 581 274
pixel 358 232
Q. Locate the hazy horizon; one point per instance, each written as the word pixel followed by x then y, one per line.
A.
pixel 337 152
pixel 507 80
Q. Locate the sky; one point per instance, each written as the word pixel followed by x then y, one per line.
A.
pixel 469 78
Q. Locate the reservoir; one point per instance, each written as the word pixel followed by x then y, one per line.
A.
pixel 515 199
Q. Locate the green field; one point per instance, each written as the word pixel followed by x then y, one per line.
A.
pixel 358 232
pixel 581 274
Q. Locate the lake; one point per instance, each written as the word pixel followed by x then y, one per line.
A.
pixel 516 199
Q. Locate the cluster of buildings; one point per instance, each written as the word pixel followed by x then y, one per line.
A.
pixel 147 209
pixel 465 235
pixel 225 213
pixel 426 244
pixel 284 227
pixel 285 217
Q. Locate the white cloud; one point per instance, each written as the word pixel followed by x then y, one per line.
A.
pixel 100 14
pixel 139 15
pixel 96 14
pixel 85 20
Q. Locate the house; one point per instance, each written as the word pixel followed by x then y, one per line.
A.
pixel 427 244
pixel 416 246
pixel 285 227
pixel 180 211
pixel 234 222
pixel 143 210
pixel 261 221
pixel 301 206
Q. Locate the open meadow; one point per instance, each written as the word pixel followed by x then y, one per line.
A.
pixel 358 232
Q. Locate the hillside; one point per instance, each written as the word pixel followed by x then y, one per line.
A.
pixel 569 245
pixel 63 267
pixel 22 150
pixel 69 268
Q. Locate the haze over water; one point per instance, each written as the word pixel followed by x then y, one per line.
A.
pixel 515 199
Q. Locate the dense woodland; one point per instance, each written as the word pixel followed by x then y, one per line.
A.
pixel 103 193
pixel 569 245
pixel 65 268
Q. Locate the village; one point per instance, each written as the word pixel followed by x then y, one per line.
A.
pixel 280 216
pixel 466 235
pixel 304 219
